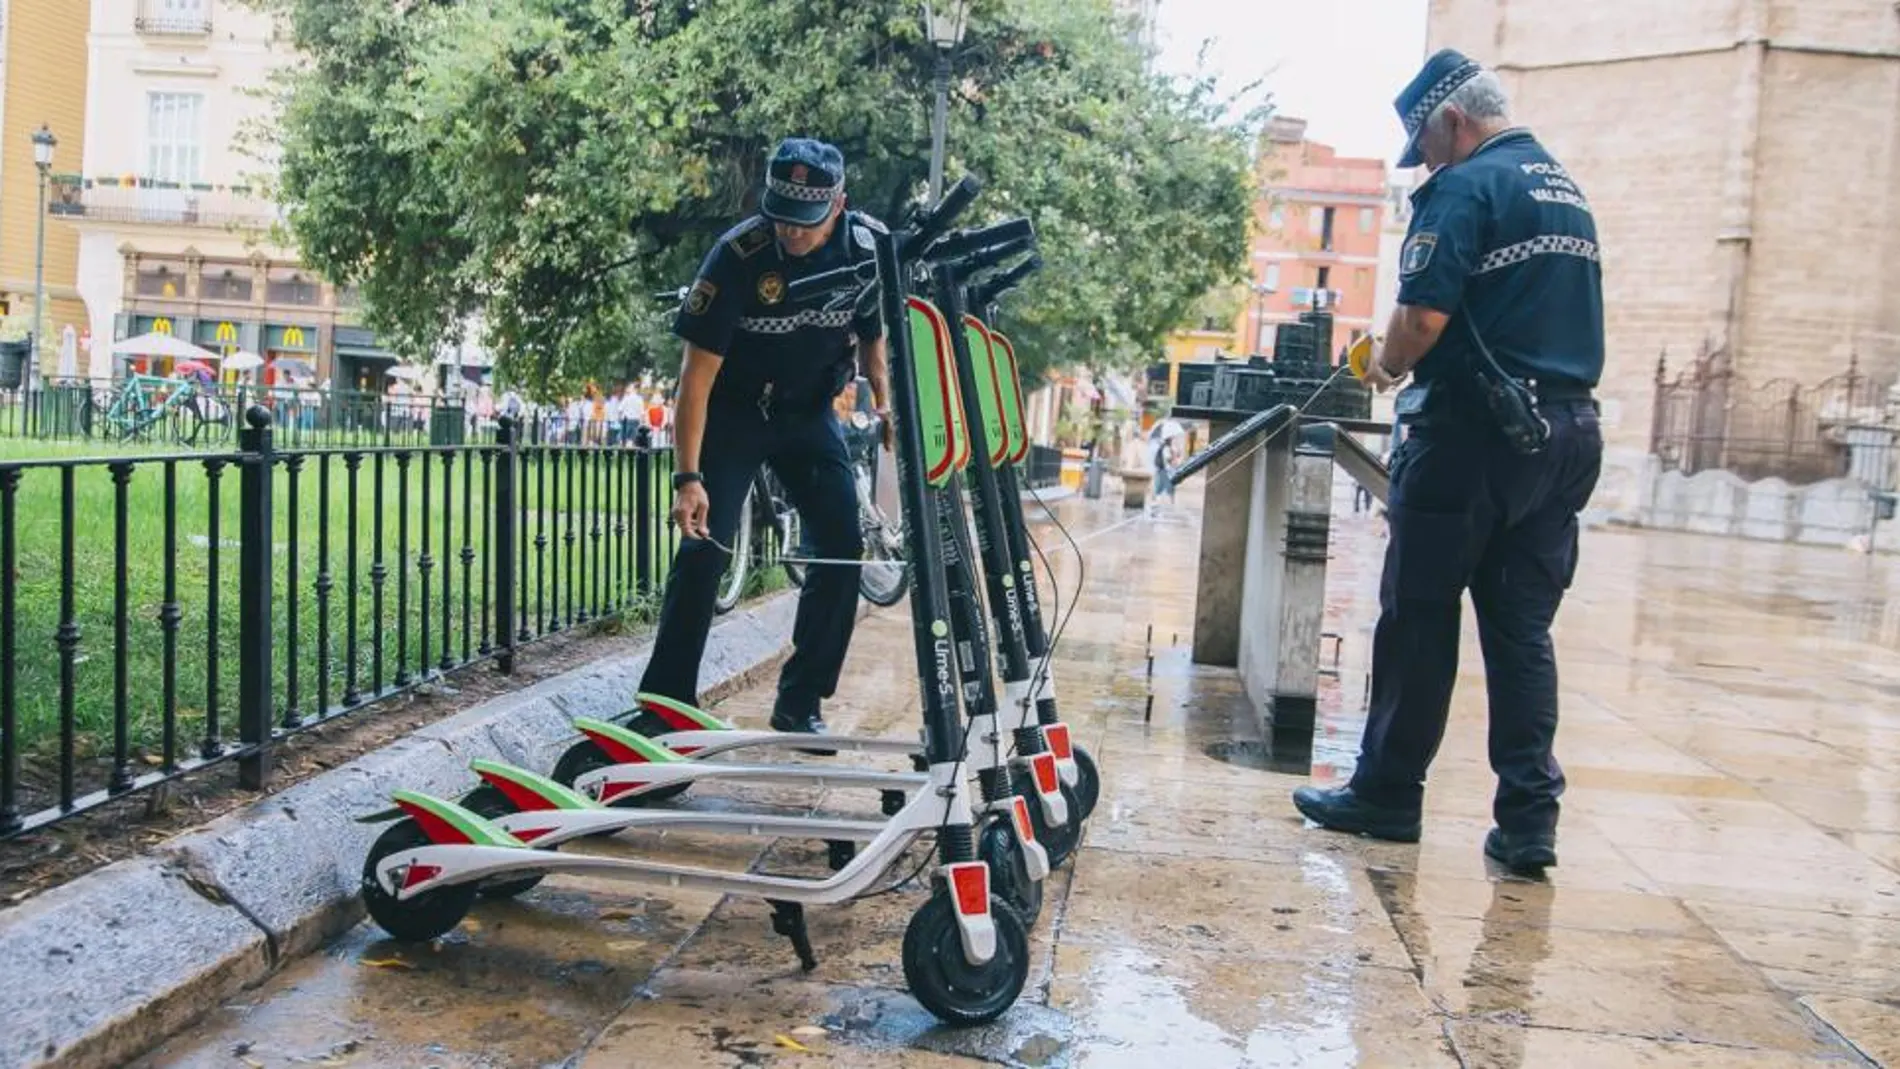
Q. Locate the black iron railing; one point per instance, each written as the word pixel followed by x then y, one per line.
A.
pixel 1707 417
pixel 163 613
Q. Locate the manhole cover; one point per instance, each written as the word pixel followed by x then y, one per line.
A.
pixel 1292 759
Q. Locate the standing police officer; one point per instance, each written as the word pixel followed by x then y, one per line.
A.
pixel 755 386
pixel 1501 259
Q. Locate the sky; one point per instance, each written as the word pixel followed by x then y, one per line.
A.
pixel 1335 63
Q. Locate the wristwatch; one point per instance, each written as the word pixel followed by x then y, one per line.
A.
pixel 681 478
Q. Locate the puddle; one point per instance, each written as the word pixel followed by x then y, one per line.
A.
pixel 1293 757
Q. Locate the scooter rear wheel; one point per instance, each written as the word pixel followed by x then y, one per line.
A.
pixel 584 757
pixel 487 801
pixel 945 982
pixel 423 917
pixel 1088 781
pixel 653 725
pixel 1008 875
pixel 1058 842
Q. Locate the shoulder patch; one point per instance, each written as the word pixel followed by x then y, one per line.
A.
pixel 701 297
pixel 751 240
pixel 1417 254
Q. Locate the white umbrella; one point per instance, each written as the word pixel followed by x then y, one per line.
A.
pixel 243 360
pixel 404 371
pixel 68 353
pixel 161 345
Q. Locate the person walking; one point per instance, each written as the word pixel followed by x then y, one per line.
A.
pixel 755 387
pixel 1500 327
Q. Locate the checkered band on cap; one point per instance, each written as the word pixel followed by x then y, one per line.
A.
pixel 794 191
pixel 1445 87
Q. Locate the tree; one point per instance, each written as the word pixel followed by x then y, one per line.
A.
pixel 552 163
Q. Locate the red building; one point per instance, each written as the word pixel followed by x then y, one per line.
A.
pixel 1316 237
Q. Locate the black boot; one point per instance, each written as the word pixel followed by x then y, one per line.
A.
pixel 1341 810
pixel 1523 855
pixel 802 719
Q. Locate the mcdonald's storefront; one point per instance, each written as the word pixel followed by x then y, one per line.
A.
pixel 289 346
pixel 291 351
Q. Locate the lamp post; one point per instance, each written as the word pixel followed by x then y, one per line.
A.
pixel 43 143
pixel 1261 292
pixel 944 26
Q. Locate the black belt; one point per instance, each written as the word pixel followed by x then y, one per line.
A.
pixel 1561 392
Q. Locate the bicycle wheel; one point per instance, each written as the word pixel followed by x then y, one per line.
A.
pixel 882 583
pixel 792 540
pixel 732 584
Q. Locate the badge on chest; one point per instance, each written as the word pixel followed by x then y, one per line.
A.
pixel 771 288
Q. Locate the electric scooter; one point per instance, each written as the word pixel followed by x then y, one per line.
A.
pixel 1077 767
pixel 965 952
pixel 547 813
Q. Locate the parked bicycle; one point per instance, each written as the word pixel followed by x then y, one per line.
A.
pixel 134 410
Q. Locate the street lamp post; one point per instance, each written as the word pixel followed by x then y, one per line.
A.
pixel 43 143
pixel 945 29
pixel 1261 292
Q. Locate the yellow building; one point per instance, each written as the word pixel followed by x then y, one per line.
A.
pixel 1190 346
pixel 43 53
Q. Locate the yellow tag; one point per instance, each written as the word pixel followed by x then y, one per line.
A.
pixel 792 1044
pixel 1359 357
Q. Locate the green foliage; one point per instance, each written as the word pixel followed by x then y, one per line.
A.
pixel 550 163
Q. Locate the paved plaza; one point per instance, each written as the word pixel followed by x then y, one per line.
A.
pixel 1728 895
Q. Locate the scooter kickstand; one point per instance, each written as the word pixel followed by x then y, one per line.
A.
pixel 788 919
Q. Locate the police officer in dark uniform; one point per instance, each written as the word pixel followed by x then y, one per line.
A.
pixel 756 386
pixel 1501 260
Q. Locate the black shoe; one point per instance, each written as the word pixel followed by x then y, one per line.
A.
pixel 1341 810
pixel 1523 855
pixel 809 724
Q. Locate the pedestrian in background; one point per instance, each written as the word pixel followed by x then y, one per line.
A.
pixel 1500 325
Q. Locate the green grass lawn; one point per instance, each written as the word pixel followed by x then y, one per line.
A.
pixel 572 492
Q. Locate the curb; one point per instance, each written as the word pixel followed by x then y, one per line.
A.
pixel 107 966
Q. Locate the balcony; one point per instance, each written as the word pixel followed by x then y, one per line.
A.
pixel 173 18
pixel 154 203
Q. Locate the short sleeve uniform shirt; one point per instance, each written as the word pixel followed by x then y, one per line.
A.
pixel 1506 240
pixel 740 307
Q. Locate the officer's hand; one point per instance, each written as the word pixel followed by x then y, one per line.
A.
pixel 887 430
pixel 690 507
pixel 1376 375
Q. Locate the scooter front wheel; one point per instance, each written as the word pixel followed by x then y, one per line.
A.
pixel 958 992
pixel 1088 781
pixel 487 801
pixel 1058 842
pixel 424 916
pixel 1008 875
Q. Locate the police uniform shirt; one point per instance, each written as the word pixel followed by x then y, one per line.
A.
pixel 739 307
pixel 1506 238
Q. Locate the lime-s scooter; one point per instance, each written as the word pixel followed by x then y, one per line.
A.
pixel 965 951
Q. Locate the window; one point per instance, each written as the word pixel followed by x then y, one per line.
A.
pixel 174 16
pixel 1276 218
pixel 1365 220
pixel 1326 230
pixel 161 280
pixel 173 149
pixel 1316 219
pixel 1273 277
pixel 1320 277
pixel 291 287
pixel 223 283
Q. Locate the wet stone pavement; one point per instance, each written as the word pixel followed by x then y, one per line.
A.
pixel 1729 893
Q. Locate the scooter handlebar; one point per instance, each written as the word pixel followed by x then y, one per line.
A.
pixel 965 242
pixel 927 225
pixel 985 258
pixel 993 287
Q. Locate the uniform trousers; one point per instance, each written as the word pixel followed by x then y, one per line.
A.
pixel 1468 513
pixel 807 453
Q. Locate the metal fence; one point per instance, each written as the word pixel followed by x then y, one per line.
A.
pixel 163 613
pixel 1708 418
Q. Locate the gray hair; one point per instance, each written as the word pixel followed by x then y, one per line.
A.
pixel 1480 98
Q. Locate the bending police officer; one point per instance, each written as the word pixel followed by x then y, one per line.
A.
pixel 756 384
pixel 1501 258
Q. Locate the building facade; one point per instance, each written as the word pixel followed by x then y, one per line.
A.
pixel 1742 158
pixel 43 66
pixel 1318 224
pixel 172 236
pixel 1398 218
